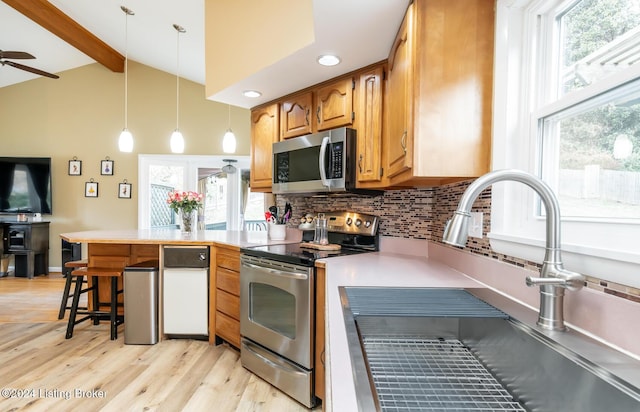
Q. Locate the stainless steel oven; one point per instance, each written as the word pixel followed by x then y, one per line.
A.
pixel 277 303
pixel 277 324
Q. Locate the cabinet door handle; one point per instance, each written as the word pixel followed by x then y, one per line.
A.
pixel 318 114
pixel 360 163
pixel 403 142
pixel 306 117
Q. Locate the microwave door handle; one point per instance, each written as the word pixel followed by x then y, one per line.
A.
pixel 321 162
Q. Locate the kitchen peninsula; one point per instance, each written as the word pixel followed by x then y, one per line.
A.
pixel 399 263
pixel 121 248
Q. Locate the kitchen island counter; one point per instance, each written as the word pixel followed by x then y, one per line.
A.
pixel 121 248
pixel 231 238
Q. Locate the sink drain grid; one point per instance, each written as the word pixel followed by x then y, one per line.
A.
pixel 412 374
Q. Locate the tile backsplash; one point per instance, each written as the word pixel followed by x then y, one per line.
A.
pixel 404 213
pixel 422 214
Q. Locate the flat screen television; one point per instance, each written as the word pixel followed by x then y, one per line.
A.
pixel 25 185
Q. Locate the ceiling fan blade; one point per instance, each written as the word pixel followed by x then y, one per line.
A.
pixel 15 55
pixel 30 69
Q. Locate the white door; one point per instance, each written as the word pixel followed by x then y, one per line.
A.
pixel 160 173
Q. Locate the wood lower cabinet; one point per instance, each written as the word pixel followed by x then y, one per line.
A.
pixel 227 295
pixel 264 133
pixel 112 255
pixel 320 318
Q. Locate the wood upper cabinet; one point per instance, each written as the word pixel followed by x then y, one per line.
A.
pixel 296 116
pixel 398 138
pixel 324 107
pixel 369 125
pixel 438 93
pixel 264 133
pixel 334 105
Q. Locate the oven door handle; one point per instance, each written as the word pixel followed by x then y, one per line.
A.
pixel 276 272
pixel 269 359
pixel 321 162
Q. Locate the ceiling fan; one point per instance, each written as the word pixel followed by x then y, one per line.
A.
pixel 15 55
pixel 225 170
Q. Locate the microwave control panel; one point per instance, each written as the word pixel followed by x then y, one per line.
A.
pixel 336 151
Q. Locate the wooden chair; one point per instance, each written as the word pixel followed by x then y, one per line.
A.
pixel 70 280
pixel 94 313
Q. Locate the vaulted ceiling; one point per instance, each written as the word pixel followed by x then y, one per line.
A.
pixel 360 31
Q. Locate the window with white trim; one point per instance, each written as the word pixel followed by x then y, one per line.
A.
pixel 567 108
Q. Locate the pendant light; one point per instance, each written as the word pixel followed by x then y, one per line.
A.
pixel 229 139
pixel 177 140
pixel 125 142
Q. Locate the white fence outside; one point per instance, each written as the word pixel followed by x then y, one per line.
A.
pixel 596 183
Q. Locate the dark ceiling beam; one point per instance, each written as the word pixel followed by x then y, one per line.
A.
pixel 63 26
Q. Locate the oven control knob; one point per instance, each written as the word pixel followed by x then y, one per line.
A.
pixel 349 221
pixel 367 224
pixel 358 222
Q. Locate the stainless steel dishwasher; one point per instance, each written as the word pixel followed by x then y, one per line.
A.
pixel 185 286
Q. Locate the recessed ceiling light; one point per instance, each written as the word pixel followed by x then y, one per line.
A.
pixel 328 60
pixel 251 93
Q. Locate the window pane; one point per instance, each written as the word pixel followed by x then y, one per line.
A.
pixel 216 202
pixel 163 179
pixel 597 38
pixel 592 151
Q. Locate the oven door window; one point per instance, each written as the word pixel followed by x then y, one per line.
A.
pixel 273 308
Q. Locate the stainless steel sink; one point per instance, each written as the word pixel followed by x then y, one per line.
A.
pixel 436 349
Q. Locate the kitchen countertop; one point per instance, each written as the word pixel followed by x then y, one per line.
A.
pixel 233 238
pixel 405 265
pixel 371 269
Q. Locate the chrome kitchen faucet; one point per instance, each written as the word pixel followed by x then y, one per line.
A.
pixel 553 277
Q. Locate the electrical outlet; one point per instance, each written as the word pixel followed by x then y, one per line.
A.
pixel 475 226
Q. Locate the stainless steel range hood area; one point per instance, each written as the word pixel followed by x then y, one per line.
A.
pixel 319 163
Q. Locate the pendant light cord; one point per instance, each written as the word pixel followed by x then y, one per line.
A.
pixel 177 78
pixel 127 13
pixel 126 69
pixel 179 29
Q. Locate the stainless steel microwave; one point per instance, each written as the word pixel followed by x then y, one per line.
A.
pixel 316 163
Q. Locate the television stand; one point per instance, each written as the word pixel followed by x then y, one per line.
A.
pixel 29 243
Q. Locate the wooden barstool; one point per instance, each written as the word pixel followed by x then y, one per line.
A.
pixel 95 313
pixel 64 305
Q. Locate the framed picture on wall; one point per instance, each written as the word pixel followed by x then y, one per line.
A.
pixel 124 190
pixel 106 167
pixel 91 189
pixel 75 167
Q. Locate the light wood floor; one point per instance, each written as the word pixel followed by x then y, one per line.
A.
pixel 89 372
